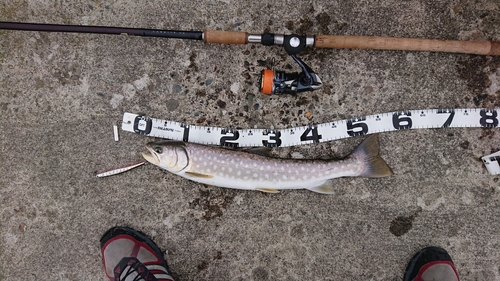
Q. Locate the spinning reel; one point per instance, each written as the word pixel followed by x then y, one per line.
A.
pixel 281 82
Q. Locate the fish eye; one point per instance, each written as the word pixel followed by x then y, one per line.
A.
pixel 158 150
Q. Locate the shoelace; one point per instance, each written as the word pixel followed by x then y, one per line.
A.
pixel 131 269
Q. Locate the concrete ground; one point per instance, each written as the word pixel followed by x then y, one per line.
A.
pixel 60 94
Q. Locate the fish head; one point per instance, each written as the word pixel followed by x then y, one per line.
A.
pixel 169 155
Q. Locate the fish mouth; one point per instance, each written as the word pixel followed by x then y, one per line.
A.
pixel 151 157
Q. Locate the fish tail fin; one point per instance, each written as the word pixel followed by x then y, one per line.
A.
pixel 368 151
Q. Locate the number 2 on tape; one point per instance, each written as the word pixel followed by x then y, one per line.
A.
pixel 229 140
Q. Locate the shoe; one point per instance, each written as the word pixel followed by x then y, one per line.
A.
pixel 431 264
pixel 129 255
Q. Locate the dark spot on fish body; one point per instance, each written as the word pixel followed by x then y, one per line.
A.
pixel 401 225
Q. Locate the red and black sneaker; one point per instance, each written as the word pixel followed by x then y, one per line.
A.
pixel 431 263
pixel 129 255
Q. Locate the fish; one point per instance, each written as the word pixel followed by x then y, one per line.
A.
pixel 231 168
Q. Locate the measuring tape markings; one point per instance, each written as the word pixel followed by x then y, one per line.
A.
pixel 370 124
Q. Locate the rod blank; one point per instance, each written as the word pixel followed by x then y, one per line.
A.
pixel 196 35
pixel 491 48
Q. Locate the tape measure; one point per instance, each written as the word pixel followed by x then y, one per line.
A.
pixel 377 123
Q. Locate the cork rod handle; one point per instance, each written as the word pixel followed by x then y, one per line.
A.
pixel 225 37
pixel 491 48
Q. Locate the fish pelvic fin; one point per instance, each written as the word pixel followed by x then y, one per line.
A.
pixel 199 175
pixel 267 190
pixel 324 188
pixel 368 151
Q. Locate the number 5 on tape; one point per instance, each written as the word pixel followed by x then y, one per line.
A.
pixel 492 163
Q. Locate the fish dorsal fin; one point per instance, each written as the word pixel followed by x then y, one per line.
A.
pixel 324 188
pixel 198 175
pixel 262 151
pixel 267 190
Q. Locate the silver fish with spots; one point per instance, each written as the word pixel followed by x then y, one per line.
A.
pixel 242 170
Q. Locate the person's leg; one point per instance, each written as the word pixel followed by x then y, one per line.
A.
pixel 431 264
pixel 129 255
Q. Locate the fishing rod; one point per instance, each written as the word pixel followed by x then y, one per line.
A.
pixel 281 82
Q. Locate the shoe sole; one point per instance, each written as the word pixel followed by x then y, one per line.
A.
pixel 413 262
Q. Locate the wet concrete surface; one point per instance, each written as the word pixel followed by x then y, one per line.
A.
pixel 60 95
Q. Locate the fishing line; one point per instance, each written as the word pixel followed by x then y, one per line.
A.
pixel 324 132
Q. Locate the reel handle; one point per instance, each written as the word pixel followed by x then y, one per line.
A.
pixel 491 48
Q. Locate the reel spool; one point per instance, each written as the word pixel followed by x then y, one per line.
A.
pixel 281 82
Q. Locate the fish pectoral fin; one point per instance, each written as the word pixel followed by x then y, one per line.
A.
pixel 199 175
pixel 267 190
pixel 324 188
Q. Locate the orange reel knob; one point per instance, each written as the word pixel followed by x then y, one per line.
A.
pixel 267 81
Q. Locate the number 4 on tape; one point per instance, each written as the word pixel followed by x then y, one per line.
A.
pixel 492 163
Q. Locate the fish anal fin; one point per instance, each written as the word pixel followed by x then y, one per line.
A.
pixel 324 188
pixel 199 175
pixel 267 190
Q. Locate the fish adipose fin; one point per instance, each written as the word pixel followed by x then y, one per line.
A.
pixel 267 190
pixel 198 175
pixel 324 188
pixel 368 151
